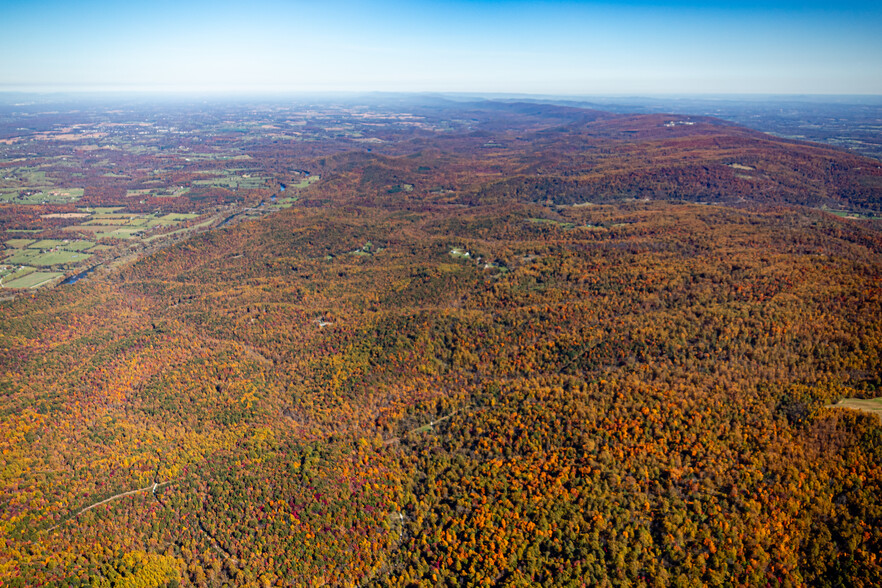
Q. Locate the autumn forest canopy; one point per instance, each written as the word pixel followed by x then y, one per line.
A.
pixel 433 343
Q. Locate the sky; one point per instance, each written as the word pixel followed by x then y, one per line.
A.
pixel 639 47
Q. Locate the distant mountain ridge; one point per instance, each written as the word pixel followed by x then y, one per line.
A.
pixel 563 155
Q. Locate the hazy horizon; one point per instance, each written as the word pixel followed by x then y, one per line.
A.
pixel 636 48
pixel 611 97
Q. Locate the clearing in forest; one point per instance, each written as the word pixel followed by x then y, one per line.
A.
pixel 871 405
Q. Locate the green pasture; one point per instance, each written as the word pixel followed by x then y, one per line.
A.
pixel 121 233
pixel 46 244
pixel 159 222
pixel 22 257
pixel 59 258
pixel 172 193
pixel 305 182
pixel 285 202
pixel 10 273
pixel 179 216
pixel 33 280
pixel 109 235
pixel 77 245
pixel 204 223
pixel 548 221
pixel 853 215
pixel 20 177
pixel 40 195
pixel 103 221
pixel 114 216
pixel 18 243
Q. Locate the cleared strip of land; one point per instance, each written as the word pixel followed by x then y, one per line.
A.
pixel 871 405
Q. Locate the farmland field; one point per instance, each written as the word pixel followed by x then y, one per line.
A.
pixel 22 257
pixel 46 244
pixel 107 222
pixel 59 257
pixel 77 245
pixel 179 216
pixel 19 243
pixel 41 194
pixel 306 182
pixel 122 233
pixel 33 279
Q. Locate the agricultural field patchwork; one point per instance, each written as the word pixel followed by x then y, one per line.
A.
pixel 233 180
pixel 105 229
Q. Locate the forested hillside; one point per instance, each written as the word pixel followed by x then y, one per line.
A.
pixel 433 382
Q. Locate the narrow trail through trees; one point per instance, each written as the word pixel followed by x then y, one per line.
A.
pixel 415 429
pixel 152 487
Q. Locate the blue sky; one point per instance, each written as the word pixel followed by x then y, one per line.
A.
pixel 550 47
